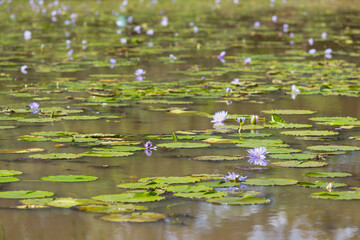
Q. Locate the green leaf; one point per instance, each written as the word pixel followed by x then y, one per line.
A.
pixel 270 181
pixel 56 156
pixel 4 173
pixel 188 189
pixel 183 145
pixel 218 158
pixel 247 200
pixel 309 133
pixel 201 195
pixel 130 197
pixel 69 178
pixel 296 156
pixel 335 195
pixel 277 119
pixel 69 202
pixel 299 164
pixel 288 111
pixel 111 208
pixel 219 184
pixel 142 185
pixel 333 148
pixel 25 194
pixel 328 174
pixel 106 154
pixel 134 217
pixel 320 184
pixel 170 180
pixel 8 179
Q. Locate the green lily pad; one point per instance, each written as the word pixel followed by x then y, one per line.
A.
pixel 270 181
pixel 188 188
pixel 250 135
pixel 296 156
pixel 207 177
pixel 328 174
pixel 130 197
pixel 201 195
pixel 34 139
pixel 247 200
pixel 288 111
pixel 111 208
pixel 219 184
pixel 28 150
pixel 38 120
pixel 56 156
pixel 69 202
pixel 218 158
pixel 69 178
pixel 53 134
pixel 8 179
pixel 309 133
pixel 120 149
pixel 287 125
pixel 336 195
pixel 7 127
pixel 25 194
pixel 252 143
pixel 106 154
pixel 183 145
pixel 333 148
pixel 37 201
pixel 134 217
pixel 283 150
pixel 320 184
pixel 170 180
pixel 299 164
pixel 142 185
pixel 80 117
pixel 5 173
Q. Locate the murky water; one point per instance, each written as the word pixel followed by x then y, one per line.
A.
pixel 56 78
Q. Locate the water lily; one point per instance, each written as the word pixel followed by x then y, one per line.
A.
pixel 324 35
pixel 254 119
pixel 195 29
pixel 137 29
pixel 233 177
pixel 148 145
pixel 219 117
pixel 164 21
pixel 294 89
pixel 139 74
pixel 228 90
pixel 312 51
pixel 34 106
pixel 123 40
pixel 274 18
pixel 221 56
pixel 27 35
pixel 257 156
pixel 23 69
pixel 150 32
pixel 241 120
pixel 112 62
pixel 236 80
pixel 247 60
pixel 311 41
pixel 257 24
pixel 172 57
pixel 285 27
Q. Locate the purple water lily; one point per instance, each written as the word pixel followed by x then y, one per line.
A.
pixel 221 56
pixel 254 119
pixel 233 177
pixel 219 117
pixel 247 60
pixel 139 74
pixel 27 35
pixel 241 120
pixel 23 69
pixel 257 156
pixel 34 106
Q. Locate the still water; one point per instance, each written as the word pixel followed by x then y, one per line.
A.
pixel 70 80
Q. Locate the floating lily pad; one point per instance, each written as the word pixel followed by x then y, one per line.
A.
pixel 299 164
pixel 38 120
pixel 8 179
pixel 288 111
pixel 206 177
pixel 112 208
pixel 25 194
pixel 250 135
pixel 287 125
pixel 120 149
pixel 282 150
pixel 37 201
pixel 7 127
pixel 53 134
pixel 270 181
pixel 320 184
pixel 252 143
pixel 218 158
pixel 28 150
pixel 188 188
pixel 170 180
pixel 219 184
pixel 56 156
pixel 295 156
pixel 70 202
pixel 183 145
pixel 5 173
pixel 106 154
pixel 80 117
pixel 337 195
pixel 69 178
pixel 247 200
pixel 142 185
pixel 34 139
pixel 201 195
pixel 130 197
pixel 134 217
pixel 310 133
pixel 333 148
pixel 328 174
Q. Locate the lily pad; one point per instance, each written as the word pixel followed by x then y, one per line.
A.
pixel 25 194
pixel 130 197
pixel 337 195
pixel 188 188
pixel 320 184
pixel 270 181
pixel 201 195
pixel 287 125
pixel 69 202
pixel 283 150
pixel 328 174
pixel 218 158
pixel 5 173
pixel 170 180
pixel 8 179
pixel 54 134
pixel 247 200
pixel 309 133
pixel 206 177
pixel 219 184
pixel 106 154
pixel 134 217
pixel 120 149
pixel 28 150
pixel 69 178
pixel 288 111
pixel 296 156
pixel 333 148
pixel 56 156
pixel 183 145
pixel 111 208
pixel 299 164
pixel 142 185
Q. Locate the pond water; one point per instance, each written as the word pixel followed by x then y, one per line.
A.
pixel 80 62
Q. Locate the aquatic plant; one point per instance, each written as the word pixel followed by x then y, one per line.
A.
pixel 233 177
pixel 219 117
pixel 257 156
